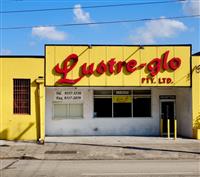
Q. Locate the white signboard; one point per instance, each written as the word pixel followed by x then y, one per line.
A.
pixel 68 95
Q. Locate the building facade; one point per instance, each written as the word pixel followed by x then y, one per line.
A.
pixel 101 90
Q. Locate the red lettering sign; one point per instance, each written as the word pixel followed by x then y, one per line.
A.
pixel 155 66
pixel 68 64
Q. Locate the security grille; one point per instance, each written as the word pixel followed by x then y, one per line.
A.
pixel 21 99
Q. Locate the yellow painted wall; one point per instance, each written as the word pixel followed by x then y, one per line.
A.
pixel 31 127
pixel 57 54
pixel 16 126
pixel 196 95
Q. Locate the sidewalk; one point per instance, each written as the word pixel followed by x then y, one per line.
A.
pixel 102 148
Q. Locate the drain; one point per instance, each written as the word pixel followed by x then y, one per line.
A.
pixel 129 153
pixel 26 157
pixel 4 145
pixel 61 152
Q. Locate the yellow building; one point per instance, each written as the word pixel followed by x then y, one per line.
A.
pixel 196 95
pixel 101 90
pixel 19 103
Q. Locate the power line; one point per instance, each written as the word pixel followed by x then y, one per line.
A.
pixel 90 7
pixel 99 23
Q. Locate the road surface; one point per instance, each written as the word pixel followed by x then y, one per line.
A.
pixel 99 168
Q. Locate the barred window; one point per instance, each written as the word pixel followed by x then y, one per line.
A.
pixel 21 94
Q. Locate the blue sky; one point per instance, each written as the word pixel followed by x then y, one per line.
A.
pixel 31 41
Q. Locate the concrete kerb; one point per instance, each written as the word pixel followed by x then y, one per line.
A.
pixel 102 148
pixel 117 140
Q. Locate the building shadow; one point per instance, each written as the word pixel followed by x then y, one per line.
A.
pixel 24 131
pixel 137 148
pixel 4 134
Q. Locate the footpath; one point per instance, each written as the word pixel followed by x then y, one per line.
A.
pixel 102 148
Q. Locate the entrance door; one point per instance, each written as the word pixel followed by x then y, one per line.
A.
pixel 168 112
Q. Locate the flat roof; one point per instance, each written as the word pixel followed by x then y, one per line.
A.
pixel 196 54
pixel 21 56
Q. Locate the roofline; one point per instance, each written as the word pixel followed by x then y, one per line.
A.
pixel 196 54
pixel 116 45
pixel 120 45
pixel 21 56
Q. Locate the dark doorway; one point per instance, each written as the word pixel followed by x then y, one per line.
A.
pixel 168 112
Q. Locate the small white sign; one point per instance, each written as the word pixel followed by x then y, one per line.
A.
pixel 68 95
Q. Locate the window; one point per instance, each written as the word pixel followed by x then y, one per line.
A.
pixel 122 103
pixel 122 109
pixel 64 111
pixel 142 103
pixel 103 103
pixel 21 100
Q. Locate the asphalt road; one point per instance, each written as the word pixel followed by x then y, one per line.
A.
pixel 99 168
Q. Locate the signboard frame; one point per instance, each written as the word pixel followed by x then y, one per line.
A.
pixel 139 46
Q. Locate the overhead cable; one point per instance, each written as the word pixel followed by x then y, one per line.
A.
pixel 89 7
pixel 98 23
